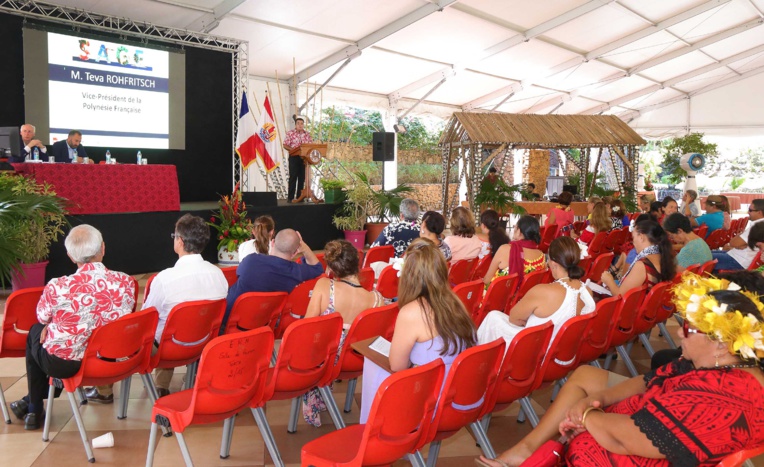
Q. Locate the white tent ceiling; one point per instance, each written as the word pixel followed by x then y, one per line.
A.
pixel 664 66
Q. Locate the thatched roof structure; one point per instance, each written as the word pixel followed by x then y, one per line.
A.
pixel 539 131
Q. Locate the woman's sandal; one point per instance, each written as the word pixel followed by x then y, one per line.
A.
pixel 483 464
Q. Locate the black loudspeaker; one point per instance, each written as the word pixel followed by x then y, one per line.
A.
pixel 259 198
pixel 383 146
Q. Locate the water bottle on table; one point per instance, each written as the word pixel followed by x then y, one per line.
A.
pixel 108 156
pixel 36 153
pixel 140 158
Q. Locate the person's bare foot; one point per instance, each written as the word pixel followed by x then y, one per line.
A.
pixel 511 458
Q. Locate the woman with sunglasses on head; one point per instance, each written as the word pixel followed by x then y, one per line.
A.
pixel 692 412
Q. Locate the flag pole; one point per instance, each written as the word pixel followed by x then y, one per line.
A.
pixel 281 107
pixel 321 117
pixel 331 127
pixel 259 161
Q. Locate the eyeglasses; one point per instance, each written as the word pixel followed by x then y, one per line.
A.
pixel 687 331
pixel 754 210
pixel 174 235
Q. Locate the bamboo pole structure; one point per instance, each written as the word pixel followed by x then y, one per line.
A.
pixel 331 127
pixel 321 116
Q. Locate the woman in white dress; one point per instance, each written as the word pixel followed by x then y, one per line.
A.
pixel 262 233
pixel 559 301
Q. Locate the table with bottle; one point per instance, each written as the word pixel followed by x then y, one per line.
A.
pixel 109 187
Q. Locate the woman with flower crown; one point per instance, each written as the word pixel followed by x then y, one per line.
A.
pixel 692 412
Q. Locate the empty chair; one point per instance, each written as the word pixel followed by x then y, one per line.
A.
pixel 19 316
pixel 596 247
pixel 387 284
pixel 649 311
pixel 296 305
pixel 623 330
pixel 599 265
pixel 757 262
pixel 115 352
pixel 400 416
pixel 496 297
pixel 470 293
pixel 597 340
pixel 255 309
pixel 482 268
pixel 549 234
pixel 461 271
pixel 232 373
pixel 378 253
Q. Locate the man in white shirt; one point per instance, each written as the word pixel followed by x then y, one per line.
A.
pixel 737 254
pixel 192 278
pixel 28 143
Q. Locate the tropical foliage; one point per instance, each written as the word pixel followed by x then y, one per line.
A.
pixel 230 221
pixel 673 150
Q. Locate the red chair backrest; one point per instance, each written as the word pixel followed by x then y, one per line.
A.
pixel 461 271
pixel 470 382
pixel 497 296
pixel 562 355
pixel 387 284
pixel 579 226
pixel 596 246
pixel 599 265
pixel 650 308
pixel 135 294
pixel 189 327
pixel 306 356
pixel 401 414
pixel 470 293
pixel 715 239
pixel 19 316
pixel 522 363
pixel 369 323
pixel 255 309
pixel 708 266
pixel 597 340
pixel 702 231
pixel 296 305
pixel 756 263
pixel 737 459
pixel 366 278
pixel 378 253
pixel 585 263
pixel 623 330
pixel 230 274
pixel 550 232
pixel 611 239
pixel 147 287
pixel 482 268
pixel 321 259
pixel 529 281
pixel 117 349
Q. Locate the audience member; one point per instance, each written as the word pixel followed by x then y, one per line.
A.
pixel 737 254
pixel 656 210
pixel 492 234
pixel 725 207
pixel 689 208
pixel 626 259
pixel 70 309
pixel 714 216
pixel 562 214
pixel 28 143
pixel 559 301
pixel 620 212
pixel 433 225
pixel 644 203
pixel 432 322
pixel 263 230
pixel 616 214
pixel 401 233
pixel 70 149
pixel 521 256
pixel 694 250
pixel 463 242
pixel 599 221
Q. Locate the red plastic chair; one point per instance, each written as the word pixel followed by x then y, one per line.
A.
pixel 296 306
pixel 115 352
pixel 482 268
pixel 756 263
pixel 529 281
pixel 461 271
pixel 599 265
pixel 648 313
pixel 189 327
pixel 305 360
pixel 469 383
pixel 255 309
pixel 19 316
pixel 400 416
pixel 387 283
pixel 378 253
pixel 737 459
pixel 321 259
pixel 596 247
pixel 560 359
pixel 623 331
pixel 232 372
pixel 366 278
pixel 549 234
pixel 471 294
pixel 579 226
pixel 597 341
pixel 584 263
pixel 716 239
pixel 369 323
pixel 611 240
pixel 702 231
pixel 497 297
pixel 708 267
pixel 147 288
pixel 230 274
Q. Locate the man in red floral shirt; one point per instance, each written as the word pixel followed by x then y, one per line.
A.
pixel 292 142
pixel 70 308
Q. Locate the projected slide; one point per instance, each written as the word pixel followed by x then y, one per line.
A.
pixel 116 94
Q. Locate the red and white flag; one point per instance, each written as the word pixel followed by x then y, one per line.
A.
pixel 247 139
pixel 268 150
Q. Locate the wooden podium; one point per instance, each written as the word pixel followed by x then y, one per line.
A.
pixel 311 154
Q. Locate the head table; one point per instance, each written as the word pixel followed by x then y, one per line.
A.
pixel 109 188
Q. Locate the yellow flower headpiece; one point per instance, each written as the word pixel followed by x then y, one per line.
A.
pixel 742 334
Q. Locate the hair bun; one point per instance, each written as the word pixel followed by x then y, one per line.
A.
pixel 575 272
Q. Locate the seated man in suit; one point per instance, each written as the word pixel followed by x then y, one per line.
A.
pixel 70 149
pixel 28 143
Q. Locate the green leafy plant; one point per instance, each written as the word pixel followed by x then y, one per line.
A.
pixel 355 209
pixel 230 221
pixel 332 184
pixel 499 196
pixel 673 150
pixel 386 204
pixel 736 182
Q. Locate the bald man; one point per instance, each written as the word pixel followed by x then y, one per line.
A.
pixel 28 143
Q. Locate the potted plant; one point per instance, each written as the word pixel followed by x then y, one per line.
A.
pixel 351 217
pixel 385 207
pixel 33 217
pixel 333 187
pixel 232 226
pixel 499 196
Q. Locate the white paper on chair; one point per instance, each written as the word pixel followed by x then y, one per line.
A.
pixel 594 287
pixel 381 345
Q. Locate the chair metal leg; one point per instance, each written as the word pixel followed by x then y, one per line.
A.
pixel 608 359
pixel 225 443
pixel 645 340
pixel 525 403
pixel 331 406
pixel 184 450
pixel 273 356
pixel 190 375
pixel 486 421
pixel 482 437
pixel 521 415
pixel 46 427
pixel 432 453
pixel 293 414
pixel 349 395
pixel 627 360
pixel 81 427
pixel 151 389
pixel 124 397
pixel 6 415
pixel 416 459
pixel 666 335
pixel 595 364
pixel 152 445
pixel 265 432
pixel 81 399
pixel 557 386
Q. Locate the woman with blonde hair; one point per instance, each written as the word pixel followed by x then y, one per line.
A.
pixel 463 242
pixel 262 232
pixel 432 322
pixel 598 222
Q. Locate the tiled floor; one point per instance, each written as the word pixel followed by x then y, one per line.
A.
pixel 23 448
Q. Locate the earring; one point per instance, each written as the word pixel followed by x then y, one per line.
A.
pixel 717 360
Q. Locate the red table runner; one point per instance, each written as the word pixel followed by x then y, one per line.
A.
pixel 101 189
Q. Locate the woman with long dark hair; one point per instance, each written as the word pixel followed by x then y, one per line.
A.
pixel 522 255
pixel 492 234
